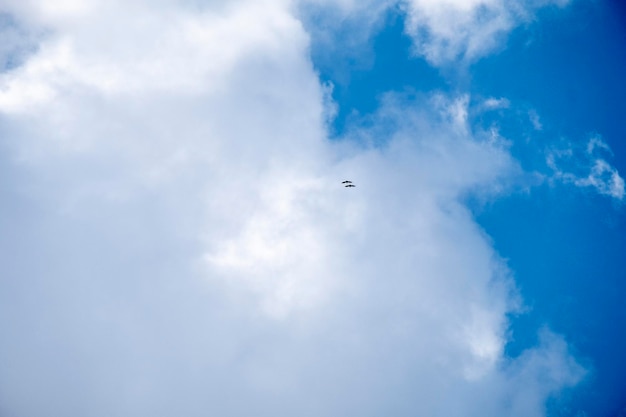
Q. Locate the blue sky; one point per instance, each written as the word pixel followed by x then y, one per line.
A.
pixel 175 238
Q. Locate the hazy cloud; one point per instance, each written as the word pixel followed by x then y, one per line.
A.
pixel 533 116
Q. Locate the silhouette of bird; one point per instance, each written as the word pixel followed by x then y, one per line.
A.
pixel 346 182
pixel 350 185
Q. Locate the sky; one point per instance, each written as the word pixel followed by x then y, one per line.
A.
pixel 175 237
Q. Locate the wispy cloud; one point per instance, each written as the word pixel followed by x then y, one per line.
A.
pixel 587 167
pixel 534 119
pixel 496 103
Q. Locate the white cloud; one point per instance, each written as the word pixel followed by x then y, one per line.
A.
pixel 534 119
pixel 604 178
pixel 180 243
pixel 586 167
pixel 446 31
pixel 184 50
pixel 493 103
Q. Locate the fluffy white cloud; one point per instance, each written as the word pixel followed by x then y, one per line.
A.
pixel 178 241
pixel 446 31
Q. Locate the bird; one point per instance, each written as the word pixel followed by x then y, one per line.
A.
pixel 350 185
pixel 346 182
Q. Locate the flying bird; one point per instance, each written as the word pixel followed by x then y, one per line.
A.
pixel 350 185
pixel 346 182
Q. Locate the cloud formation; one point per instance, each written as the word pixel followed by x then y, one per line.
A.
pixel 446 31
pixel 179 241
pixel 586 167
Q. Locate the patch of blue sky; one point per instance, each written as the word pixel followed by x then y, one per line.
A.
pixel 568 70
pixel 561 82
pixel 361 78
